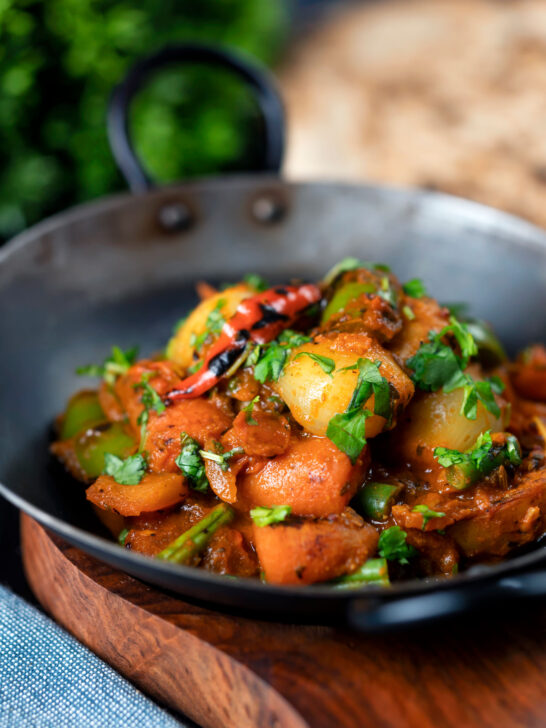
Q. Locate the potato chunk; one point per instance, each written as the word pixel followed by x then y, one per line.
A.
pixel 154 492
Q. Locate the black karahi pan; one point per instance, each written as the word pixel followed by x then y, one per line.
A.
pixel 122 271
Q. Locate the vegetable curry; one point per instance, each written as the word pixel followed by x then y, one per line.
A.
pixel 352 431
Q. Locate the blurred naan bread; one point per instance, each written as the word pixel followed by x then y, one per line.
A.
pixel 448 94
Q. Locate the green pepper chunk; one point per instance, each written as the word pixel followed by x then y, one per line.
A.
pixel 92 445
pixel 490 350
pixel 83 411
pixel 372 571
pixel 376 499
pixel 344 296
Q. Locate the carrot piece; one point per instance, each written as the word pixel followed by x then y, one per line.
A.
pixel 305 552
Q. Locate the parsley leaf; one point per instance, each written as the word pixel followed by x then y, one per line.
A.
pixel 392 545
pixel 262 516
pixel 191 463
pixel 126 472
pixel 427 514
pixel 415 288
pixel 257 282
pixel 116 364
pixel 247 409
pixel 273 355
pixel 326 364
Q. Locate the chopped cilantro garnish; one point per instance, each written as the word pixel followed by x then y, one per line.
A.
pixel 115 365
pixel 326 364
pixel 150 398
pixel 347 430
pixel 388 293
pixel 126 472
pixel 257 282
pixel 415 288
pixel 466 468
pixel 213 326
pixel 272 356
pixel 191 463
pixel 122 536
pixel 408 313
pixel 436 366
pixel 427 514
pixel 247 409
pixel 178 325
pixel 262 516
pixel 222 458
pixel 393 546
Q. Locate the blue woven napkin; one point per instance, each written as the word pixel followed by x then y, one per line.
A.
pixel 48 679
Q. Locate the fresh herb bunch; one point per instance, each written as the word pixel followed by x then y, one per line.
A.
pixel 60 61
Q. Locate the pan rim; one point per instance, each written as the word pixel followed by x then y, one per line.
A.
pixel 508 226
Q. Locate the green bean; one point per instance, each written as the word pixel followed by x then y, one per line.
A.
pixel 194 540
pixel 375 500
pixel 372 571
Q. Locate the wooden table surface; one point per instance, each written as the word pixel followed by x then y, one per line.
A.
pixel 226 671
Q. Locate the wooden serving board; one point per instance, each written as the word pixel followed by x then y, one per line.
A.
pixel 231 672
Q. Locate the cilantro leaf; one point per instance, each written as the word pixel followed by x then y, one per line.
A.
pixel 126 472
pixel 116 364
pixel 348 431
pixel 326 364
pixel 191 463
pixel 393 546
pixel 427 513
pixel 247 409
pixel 466 468
pixel 222 458
pixel 273 356
pixel 150 398
pixel 213 326
pixel 415 288
pixel 388 293
pixel 262 516
pixel 122 536
pixel 257 282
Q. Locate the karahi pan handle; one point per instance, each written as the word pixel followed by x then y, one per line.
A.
pixel 374 616
pixel 256 77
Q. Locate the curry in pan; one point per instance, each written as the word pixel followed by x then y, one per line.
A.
pixel 352 431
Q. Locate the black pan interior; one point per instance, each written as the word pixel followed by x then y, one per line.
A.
pixel 110 273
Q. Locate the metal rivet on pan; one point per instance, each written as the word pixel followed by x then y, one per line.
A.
pixel 175 217
pixel 267 210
